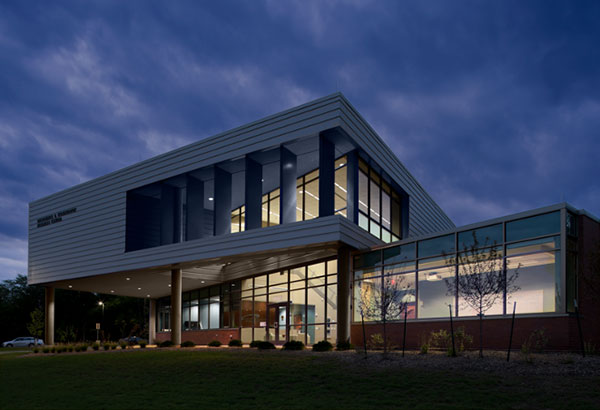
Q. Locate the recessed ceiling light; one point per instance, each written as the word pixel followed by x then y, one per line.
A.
pixel 210 198
pixel 127 278
pixel 139 288
pixel 201 281
pixel 147 296
pixel 112 291
pixel 70 286
pixel 169 285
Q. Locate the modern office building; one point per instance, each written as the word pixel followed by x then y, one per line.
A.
pixel 275 229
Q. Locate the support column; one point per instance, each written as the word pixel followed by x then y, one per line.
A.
pixel 176 306
pixel 253 194
pixel 49 316
pixel 326 175
pixel 194 208
pixel 287 184
pixel 222 202
pixel 152 321
pixel 352 186
pixel 344 310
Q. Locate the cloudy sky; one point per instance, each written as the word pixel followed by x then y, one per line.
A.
pixel 493 106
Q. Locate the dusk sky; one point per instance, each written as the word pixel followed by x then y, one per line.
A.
pixel 494 106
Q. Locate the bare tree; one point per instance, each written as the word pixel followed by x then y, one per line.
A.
pixel 384 300
pixel 482 279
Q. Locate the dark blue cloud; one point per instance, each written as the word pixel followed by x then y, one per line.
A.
pixel 494 106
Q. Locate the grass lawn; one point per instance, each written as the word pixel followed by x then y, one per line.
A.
pixel 221 378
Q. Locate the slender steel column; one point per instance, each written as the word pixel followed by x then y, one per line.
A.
pixel 49 317
pixel 152 321
pixel 176 306
pixel 344 295
pixel 287 179
pixel 253 194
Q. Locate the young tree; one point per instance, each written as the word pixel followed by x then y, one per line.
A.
pixel 482 279
pixel 383 301
pixel 37 324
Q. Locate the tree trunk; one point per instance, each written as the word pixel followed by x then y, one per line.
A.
pixel 362 319
pixel 480 335
pixel 384 338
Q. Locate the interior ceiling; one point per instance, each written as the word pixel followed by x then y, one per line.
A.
pixel 155 282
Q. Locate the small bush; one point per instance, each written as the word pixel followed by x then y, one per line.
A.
pixel 424 347
pixel 293 345
pixel 96 346
pixel 442 339
pixel 143 344
pixel 589 348
pixel 235 343
pixel 59 349
pixel 123 345
pixel 46 349
pixel 254 343
pixel 346 345
pixel 188 343
pixel 53 349
pixel 69 348
pixel 536 342
pixel 35 350
pixel 81 347
pixel 106 346
pixel 113 346
pixel 165 343
pixel 376 341
pixel 322 346
pixel 214 343
pixel 264 345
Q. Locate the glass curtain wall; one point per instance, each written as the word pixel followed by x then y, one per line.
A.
pixel 380 212
pixel 528 248
pixel 304 300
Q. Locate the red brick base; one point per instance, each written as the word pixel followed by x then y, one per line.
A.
pixel 203 337
pixel 562 332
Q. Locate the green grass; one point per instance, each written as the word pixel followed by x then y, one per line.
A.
pixel 203 378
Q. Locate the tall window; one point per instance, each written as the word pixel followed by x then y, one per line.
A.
pixel 270 208
pixel 238 219
pixel 379 207
pixel 341 186
pixel 307 196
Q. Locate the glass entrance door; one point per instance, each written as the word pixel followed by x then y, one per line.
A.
pixel 277 319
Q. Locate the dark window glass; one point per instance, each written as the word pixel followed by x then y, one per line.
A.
pixel 399 253
pixel 534 226
pixel 486 236
pixel 571 224
pixel 436 246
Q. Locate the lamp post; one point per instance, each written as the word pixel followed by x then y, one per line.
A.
pixel 101 303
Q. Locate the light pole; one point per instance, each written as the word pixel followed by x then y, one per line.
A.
pixel 101 303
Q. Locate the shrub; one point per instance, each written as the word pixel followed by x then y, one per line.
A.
pixel 106 346
pixel 589 348
pixel 442 339
pixel 535 342
pixel 81 347
pixel 214 343
pixel 424 347
pixel 188 343
pixel 53 349
pixel 346 345
pixel 143 344
pixel 235 343
pixel 123 345
pixel 113 346
pixel 59 349
pixel 376 341
pixel 96 346
pixel 254 343
pixel 322 346
pixel 69 348
pixel 264 345
pixel 293 345
pixel 46 349
pixel 166 343
pixel 35 350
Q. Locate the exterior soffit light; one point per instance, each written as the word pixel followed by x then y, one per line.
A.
pixel 139 288
pixel 70 286
pixel 210 198
pixel 127 278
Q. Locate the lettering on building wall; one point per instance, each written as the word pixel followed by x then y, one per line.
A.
pixel 54 218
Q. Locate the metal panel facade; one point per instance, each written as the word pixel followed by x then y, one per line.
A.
pixel 81 231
